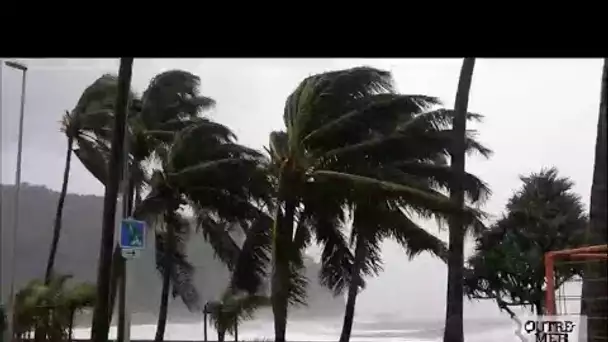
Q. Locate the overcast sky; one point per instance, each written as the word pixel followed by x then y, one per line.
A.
pixel 538 113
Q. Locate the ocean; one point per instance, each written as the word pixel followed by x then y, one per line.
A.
pixel 328 329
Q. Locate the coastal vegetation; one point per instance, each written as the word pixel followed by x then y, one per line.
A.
pixel 355 163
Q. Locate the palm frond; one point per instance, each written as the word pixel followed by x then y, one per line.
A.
pixel 321 98
pixel 217 233
pixel 182 271
pixel 253 261
pixel 411 236
pixel 213 166
pixel 278 146
pixel 441 177
pixel 397 146
pixel 95 157
pixel 435 120
pixel 336 260
pixel 382 113
pixel 173 94
pixel 235 308
pixel 101 94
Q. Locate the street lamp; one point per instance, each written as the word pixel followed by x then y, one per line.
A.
pixel 11 295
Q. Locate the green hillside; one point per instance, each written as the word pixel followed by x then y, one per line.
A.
pixel 79 248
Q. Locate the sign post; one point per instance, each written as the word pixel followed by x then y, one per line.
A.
pixel 132 240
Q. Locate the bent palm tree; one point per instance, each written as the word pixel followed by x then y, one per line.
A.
pixel 84 126
pixel 160 209
pixel 340 136
pixel 221 181
pixel 169 103
pixel 377 218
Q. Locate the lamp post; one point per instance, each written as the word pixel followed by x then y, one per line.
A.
pixel 12 259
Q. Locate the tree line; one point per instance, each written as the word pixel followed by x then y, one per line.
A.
pixel 356 163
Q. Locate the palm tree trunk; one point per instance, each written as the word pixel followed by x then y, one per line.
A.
pixel 59 213
pixel 221 336
pixel 101 326
pixel 236 330
pixel 115 273
pixel 453 320
pixel 594 280
pixel 538 307
pixel 280 272
pixel 205 323
pixel 164 297
pixel 353 289
pixel 71 325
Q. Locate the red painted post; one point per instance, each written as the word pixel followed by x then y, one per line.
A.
pixel 550 288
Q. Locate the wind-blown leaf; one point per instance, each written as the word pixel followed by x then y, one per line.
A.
pixel 384 109
pixel 94 157
pixel 442 177
pixel 235 308
pixel 254 257
pixel 217 234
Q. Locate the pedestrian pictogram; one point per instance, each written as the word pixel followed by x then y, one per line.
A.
pixel 132 234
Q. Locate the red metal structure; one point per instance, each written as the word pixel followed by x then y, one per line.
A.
pixel 597 253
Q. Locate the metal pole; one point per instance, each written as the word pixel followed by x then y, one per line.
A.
pixel 11 294
pixel 126 197
pixel 2 307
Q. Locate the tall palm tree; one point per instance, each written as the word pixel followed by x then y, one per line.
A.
pixel 161 210
pixel 206 169
pixel 101 325
pixel 453 331
pixel 83 126
pixel 377 218
pixel 333 152
pixel 598 222
pixel 169 103
pixel 373 223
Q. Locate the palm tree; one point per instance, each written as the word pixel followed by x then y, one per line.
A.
pixel 171 260
pixel 377 218
pixel 340 135
pixel 83 125
pixel 227 313
pixel 205 169
pixel 80 297
pixel 453 331
pixel 49 307
pixel 371 224
pixel 101 324
pixel 161 210
pixel 598 220
pixel 170 102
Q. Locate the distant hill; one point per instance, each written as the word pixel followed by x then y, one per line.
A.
pixel 79 249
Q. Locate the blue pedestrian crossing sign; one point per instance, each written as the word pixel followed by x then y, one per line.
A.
pixel 132 234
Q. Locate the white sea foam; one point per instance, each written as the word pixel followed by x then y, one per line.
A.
pixel 313 331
